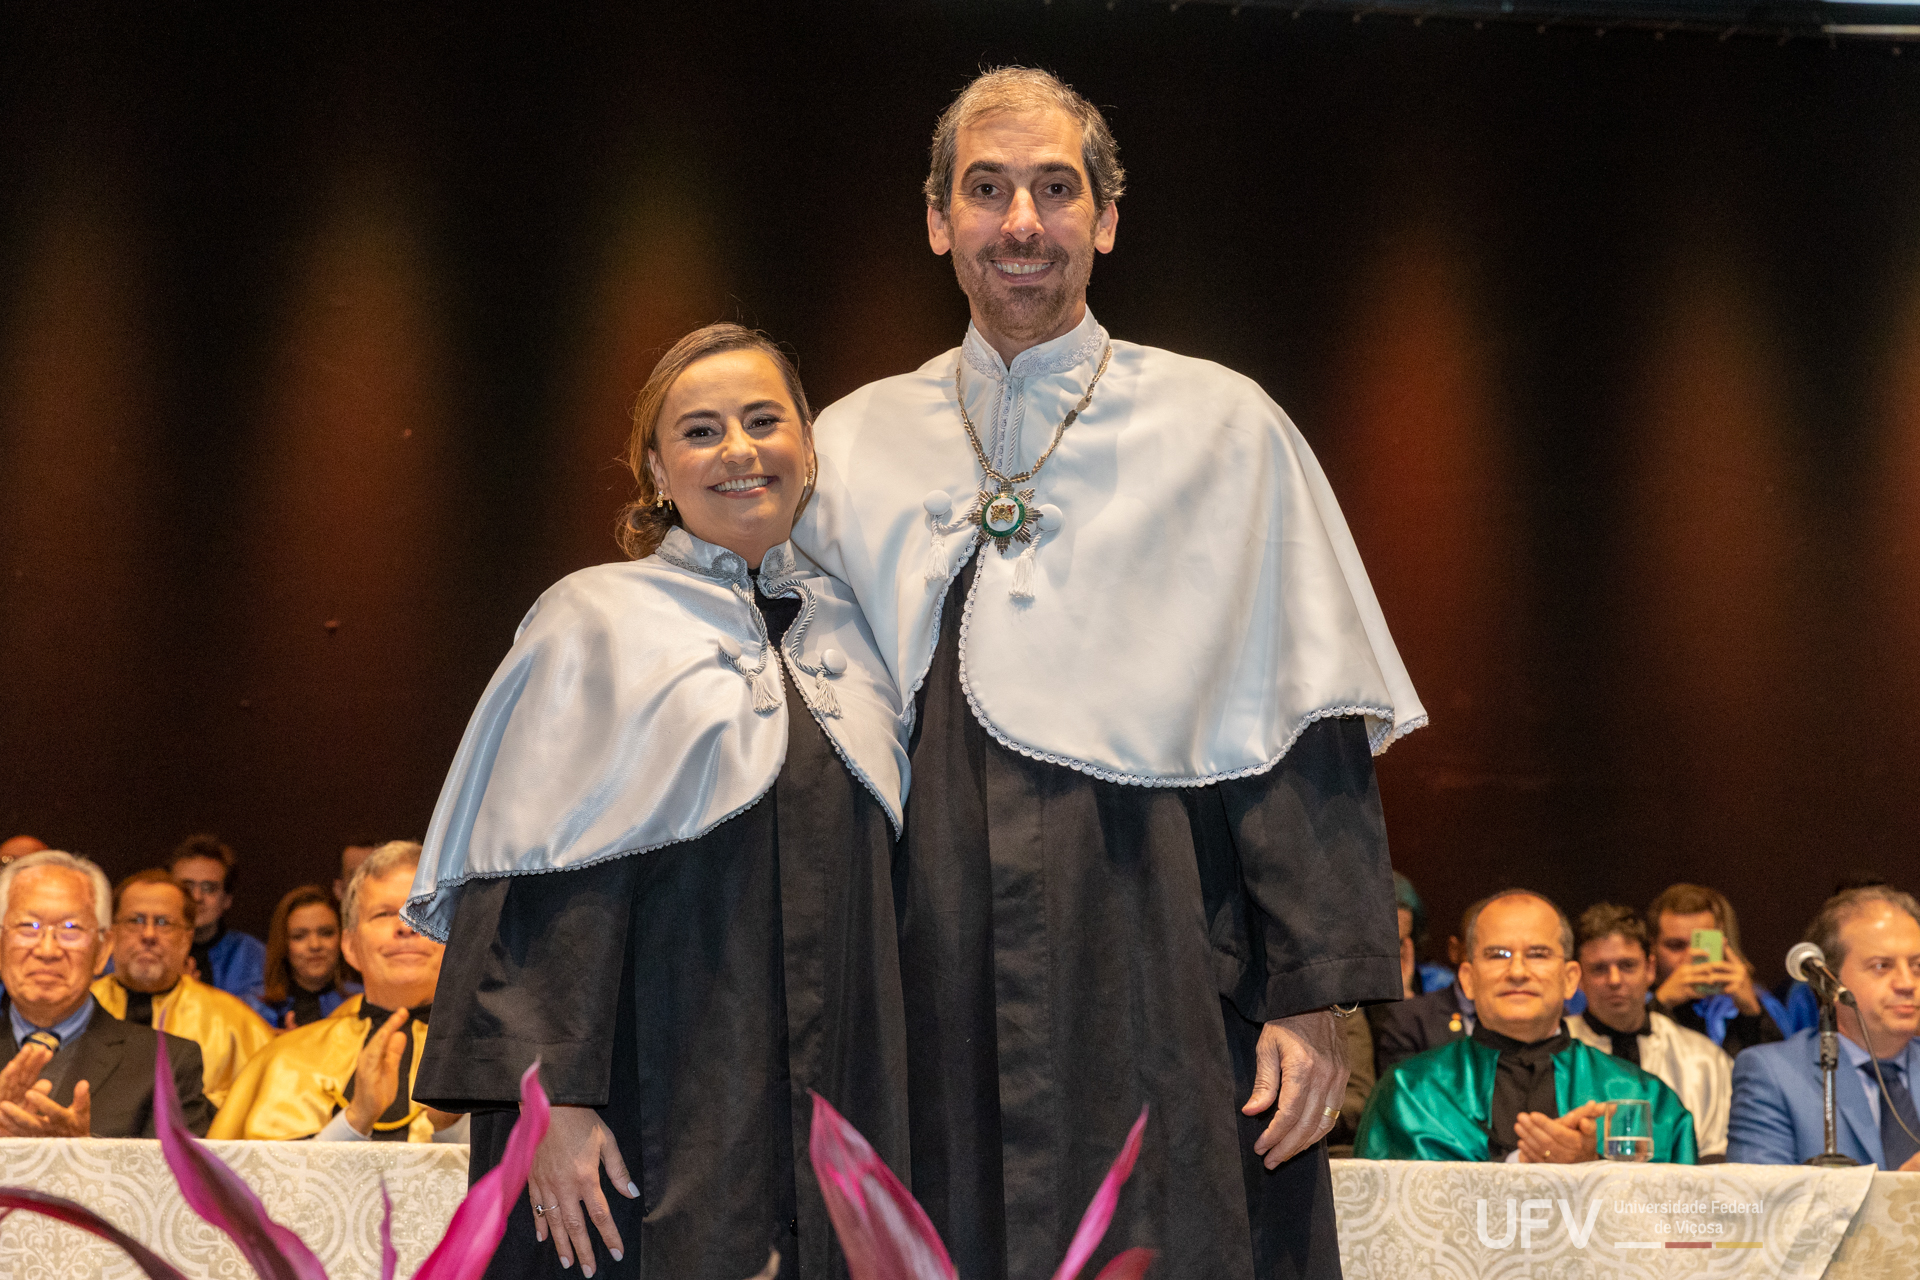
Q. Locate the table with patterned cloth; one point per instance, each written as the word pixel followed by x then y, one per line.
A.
pixel 1399 1220
pixel 327 1192
pixel 1420 1220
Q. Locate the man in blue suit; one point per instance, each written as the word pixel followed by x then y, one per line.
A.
pixel 1871 938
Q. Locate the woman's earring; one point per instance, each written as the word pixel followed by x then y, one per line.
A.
pixel 663 502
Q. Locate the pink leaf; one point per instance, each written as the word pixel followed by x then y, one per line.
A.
pixel 217 1194
pixel 481 1219
pixel 78 1215
pixel 389 1260
pixel 884 1232
pixel 1130 1265
pixel 1100 1213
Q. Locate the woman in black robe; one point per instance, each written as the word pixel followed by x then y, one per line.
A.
pixel 683 912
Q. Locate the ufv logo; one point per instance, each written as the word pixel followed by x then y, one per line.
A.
pixel 1537 1215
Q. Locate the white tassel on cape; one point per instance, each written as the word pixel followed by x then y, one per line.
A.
pixel 823 699
pixel 766 691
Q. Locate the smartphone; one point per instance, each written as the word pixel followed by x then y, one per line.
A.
pixel 1714 943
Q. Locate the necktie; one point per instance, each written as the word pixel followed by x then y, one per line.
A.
pixel 1898 1101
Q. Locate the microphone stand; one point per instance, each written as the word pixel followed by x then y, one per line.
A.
pixel 1831 1158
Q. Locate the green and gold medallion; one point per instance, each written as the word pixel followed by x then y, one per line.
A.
pixel 1005 516
pixel 1003 513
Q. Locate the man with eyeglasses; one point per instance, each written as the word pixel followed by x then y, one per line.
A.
pixel 225 958
pixel 56 1040
pixel 152 932
pixel 1519 1088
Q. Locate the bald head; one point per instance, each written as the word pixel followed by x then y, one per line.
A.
pixel 19 847
pixel 1474 914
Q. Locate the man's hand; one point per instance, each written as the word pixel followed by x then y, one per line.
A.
pixel 1912 1165
pixel 1735 977
pixel 18 1075
pixel 1570 1139
pixel 39 1116
pixel 1301 1061
pixel 1679 988
pixel 376 1078
pixel 566 1176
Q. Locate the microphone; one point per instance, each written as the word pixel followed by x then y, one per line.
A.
pixel 1808 963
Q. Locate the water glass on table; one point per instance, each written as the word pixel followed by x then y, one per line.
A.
pixel 1626 1131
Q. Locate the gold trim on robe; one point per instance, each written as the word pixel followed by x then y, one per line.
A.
pixel 296 1084
pixel 228 1032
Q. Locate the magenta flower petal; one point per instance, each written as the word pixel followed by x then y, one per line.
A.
pixel 481 1219
pixel 217 1194
pixel 1100 1213
pixel 78 1215
pixel 884 1232
pixel 1130 1265
pixel 389 1260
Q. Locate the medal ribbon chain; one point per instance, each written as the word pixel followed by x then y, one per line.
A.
pixel 973 435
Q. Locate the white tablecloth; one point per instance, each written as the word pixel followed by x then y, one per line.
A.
pixel 1399 1220
pixel 1411 1220
pixel 327 1192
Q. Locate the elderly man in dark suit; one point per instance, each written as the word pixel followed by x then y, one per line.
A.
pixel 72 1069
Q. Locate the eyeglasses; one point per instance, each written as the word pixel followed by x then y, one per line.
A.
pixel 1538 959
pixel 68 933
pixel 203 888
pixel 141 923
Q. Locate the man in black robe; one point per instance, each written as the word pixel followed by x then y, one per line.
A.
pixel 1081 935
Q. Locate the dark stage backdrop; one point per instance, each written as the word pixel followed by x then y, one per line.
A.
pixel 318 326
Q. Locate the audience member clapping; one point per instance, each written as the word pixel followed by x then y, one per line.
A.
pixel 57 1041
pixel 305 979
pixel 152 930
pixel 371 1044
pixel 1715 997
pixel 1520 1087
pixel 222 957
pixel 1871 940
pixel 1616 971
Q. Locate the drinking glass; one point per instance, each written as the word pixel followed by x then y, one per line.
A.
pixel 1627 1131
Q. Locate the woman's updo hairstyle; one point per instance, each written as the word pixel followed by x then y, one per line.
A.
pixel 643 523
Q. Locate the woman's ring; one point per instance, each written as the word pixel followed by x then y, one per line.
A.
pixel 1332 1113
pixel 540 1209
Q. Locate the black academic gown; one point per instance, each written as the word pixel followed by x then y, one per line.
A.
pixel 693 995
pixel 1073 949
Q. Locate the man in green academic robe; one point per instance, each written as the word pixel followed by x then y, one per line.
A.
pixel 1519 1088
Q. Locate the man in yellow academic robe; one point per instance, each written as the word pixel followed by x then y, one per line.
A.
pixel 349 1077
pixel 152 938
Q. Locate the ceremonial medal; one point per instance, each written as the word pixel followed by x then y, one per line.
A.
pixel 1003 513
pixel 1004 516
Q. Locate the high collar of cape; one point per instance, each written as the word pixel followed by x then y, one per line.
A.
pixel 1192 601
pixel 641 705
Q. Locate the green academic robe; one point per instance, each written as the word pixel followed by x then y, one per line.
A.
pixel 1437 1105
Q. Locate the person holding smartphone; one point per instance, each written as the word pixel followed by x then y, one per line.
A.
pixel 1699 989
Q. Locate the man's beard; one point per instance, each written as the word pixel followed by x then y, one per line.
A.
pixel 146 970
pixel 1025 314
